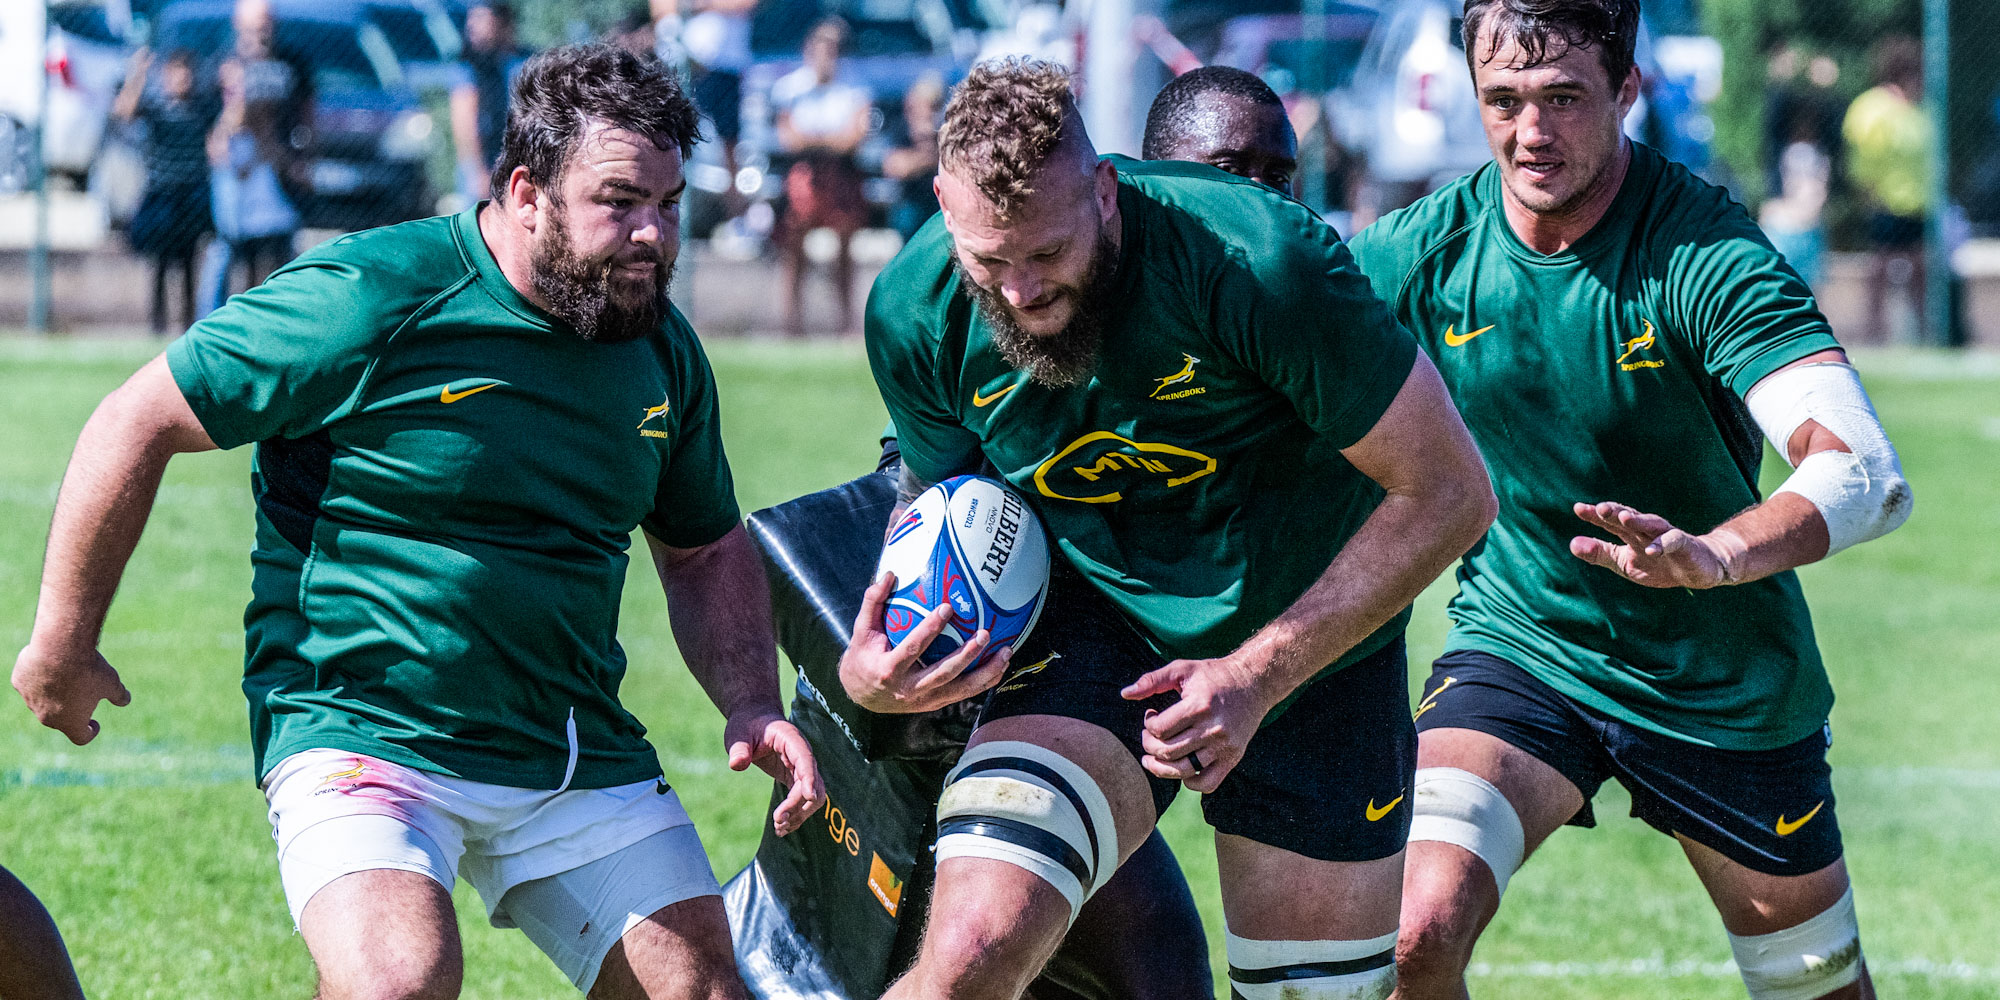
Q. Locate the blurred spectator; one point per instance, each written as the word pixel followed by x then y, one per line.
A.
pixel 716 41
pixel 821 120
pixel 1801 134
pixel 1800 105
pixel 1888 156
pixel 258 161
pixel 1792 217
pixel 913 162
pixel 479 95
pixel 173 214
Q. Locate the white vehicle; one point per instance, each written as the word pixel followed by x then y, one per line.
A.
pixel 77 51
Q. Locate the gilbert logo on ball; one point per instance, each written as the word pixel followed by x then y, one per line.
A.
pixel 972 542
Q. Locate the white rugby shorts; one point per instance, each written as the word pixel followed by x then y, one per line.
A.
pixel 573 869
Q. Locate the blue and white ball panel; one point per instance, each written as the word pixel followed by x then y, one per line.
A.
pixel 974 543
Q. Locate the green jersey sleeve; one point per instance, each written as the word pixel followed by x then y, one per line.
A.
pixel 905 313
pixel 1747 311
pixel 287 357
pixel 1299 313
pixel 696 500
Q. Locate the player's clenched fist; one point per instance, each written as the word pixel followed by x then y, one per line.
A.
pixel 63 690
pixel 1200 739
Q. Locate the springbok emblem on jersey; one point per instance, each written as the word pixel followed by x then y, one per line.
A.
pixel 1637 344
pixel 1186 374
pixel 655 413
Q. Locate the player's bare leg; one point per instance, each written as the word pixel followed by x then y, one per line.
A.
pixel 1449 894
pixel 384 934
pixel 1752 903
pixel 681 952
pixel 1273 895
pixel 993 925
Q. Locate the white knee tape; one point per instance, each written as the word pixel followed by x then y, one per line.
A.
pixel 1809 960
pixel 1312 970
pixel 1861 493
pixel 1030 807
pixel 1459 807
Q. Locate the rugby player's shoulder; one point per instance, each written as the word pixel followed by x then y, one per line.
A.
pixel 417 255
pixel 916 290
pixel 1419 227
pixel 1682 206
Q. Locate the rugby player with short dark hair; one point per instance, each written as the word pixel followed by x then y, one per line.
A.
pixel 459 424
pixel 1616 333
pixel 1227 118
pixel 1249 472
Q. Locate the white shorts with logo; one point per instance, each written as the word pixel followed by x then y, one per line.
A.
pixel 573 869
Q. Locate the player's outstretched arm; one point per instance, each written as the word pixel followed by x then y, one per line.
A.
pixel 720 607
pixel 1438 502
pixel 107 494
pixel 1848 488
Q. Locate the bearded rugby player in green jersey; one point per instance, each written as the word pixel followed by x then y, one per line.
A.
pixel 1616 332
pixel 1247 471
pixel 460 423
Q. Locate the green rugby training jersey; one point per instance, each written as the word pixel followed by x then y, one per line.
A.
pixel 1196 478
pixel 1615 371
pixel 447 480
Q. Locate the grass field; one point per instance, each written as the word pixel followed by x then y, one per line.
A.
pixel 151 848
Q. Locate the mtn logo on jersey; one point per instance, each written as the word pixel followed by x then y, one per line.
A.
pixel 655 413
pixel 1100 466
pixel 1182 377
pixel 1637 345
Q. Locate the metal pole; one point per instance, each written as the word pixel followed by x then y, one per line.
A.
pixel 1938 284
pixel 38 253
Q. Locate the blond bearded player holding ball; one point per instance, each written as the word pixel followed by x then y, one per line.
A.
pixel 1616 333
pixel 1248 472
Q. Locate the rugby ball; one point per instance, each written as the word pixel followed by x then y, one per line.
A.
pixel 974 542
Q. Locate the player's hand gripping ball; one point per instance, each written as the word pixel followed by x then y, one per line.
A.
pixel 973 542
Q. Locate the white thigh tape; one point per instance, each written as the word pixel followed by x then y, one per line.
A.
pixel 1312 970
pixel 1458 807
pixel 1860 493
pixel 1031 807
pixel 1809 960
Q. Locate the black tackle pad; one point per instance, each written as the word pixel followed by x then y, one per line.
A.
pixel 836 910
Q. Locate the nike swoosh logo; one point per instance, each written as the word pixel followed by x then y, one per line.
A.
pixel 447 396
pixel 979 400
pixel 1454 340
pixel 1785 829
pixel 1376 814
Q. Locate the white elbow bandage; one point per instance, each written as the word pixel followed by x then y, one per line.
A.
pixel 1861 493
pixel 1312 970
pixel 1033 808
pixel 1803 962
pixel 1454 806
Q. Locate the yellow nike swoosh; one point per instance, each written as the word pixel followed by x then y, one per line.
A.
pixel 447 396
pixel 1376 814
pixel 1454 340
pixel 979 400
pixel 1785 829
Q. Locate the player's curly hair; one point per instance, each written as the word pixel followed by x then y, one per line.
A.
pixel 1002 124
pixel 561 91
pixel 1545 29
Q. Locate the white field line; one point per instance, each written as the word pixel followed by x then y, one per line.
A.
pixel 1656 967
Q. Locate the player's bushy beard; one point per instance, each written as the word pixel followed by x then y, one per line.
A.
pixel 1069 355
pixel 588 295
